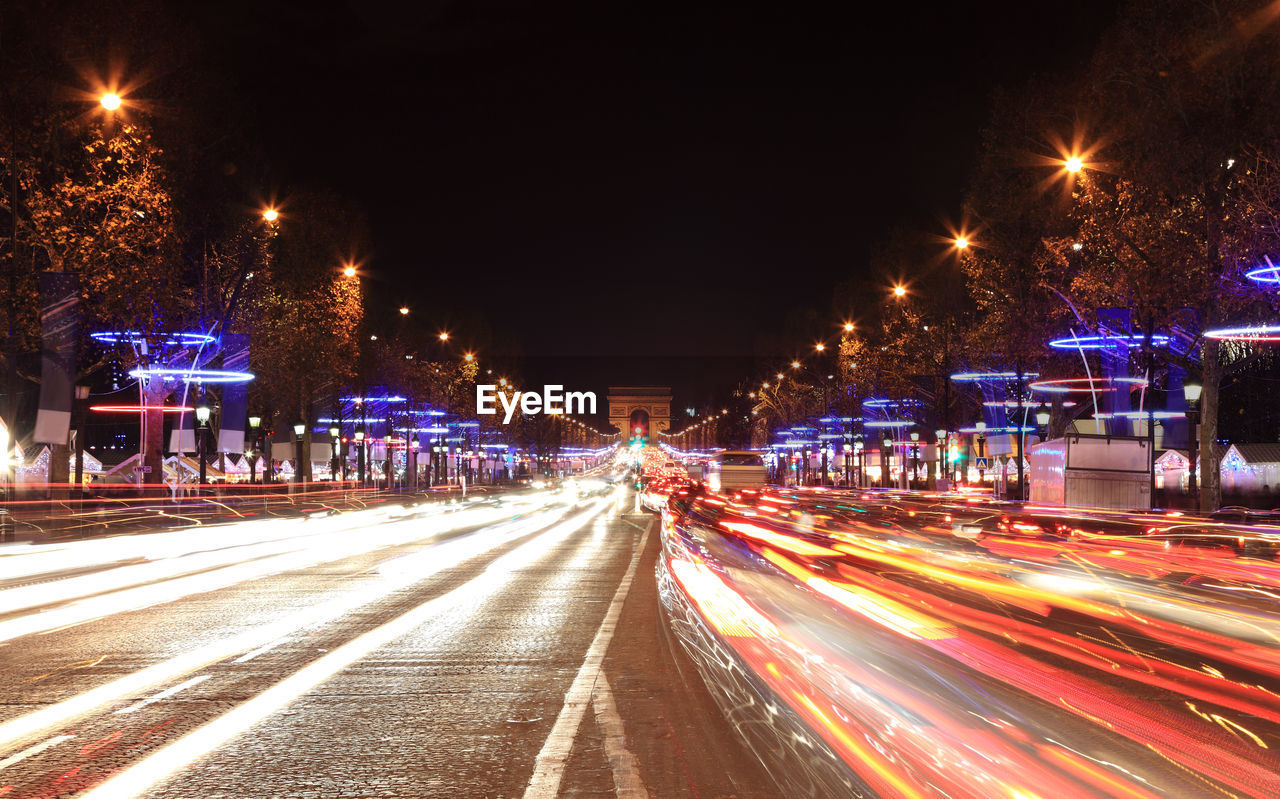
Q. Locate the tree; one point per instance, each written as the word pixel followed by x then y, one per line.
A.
pixel 1184 197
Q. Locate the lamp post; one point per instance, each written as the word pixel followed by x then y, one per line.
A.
pixel 940 435
pixel 360 453
pixel 886 455
pixel 982 449
pixel 860 455
pixel 255 424
pixel 915 458
pixel 848 465
pixel 298 431
pixel 1191 393
pixel 335 443
pixel 1042 420
pixel 203 412
pixel 82 394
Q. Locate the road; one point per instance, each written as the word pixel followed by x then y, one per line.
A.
pixel 900 645
pixel 507 648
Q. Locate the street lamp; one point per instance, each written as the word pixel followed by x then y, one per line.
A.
pixel 940 435
pixel 298 431
pixel 961 243
pixel 899 291
pixel 1191 393
pixel 1073 164
pixel 915 457
pixel 110 101
pixel 886 458
pixel 255 422
pixel 335 444
pixel 203 412
pixel 82 394
pixel 360 453
pixel 271 215
pixel 348 271
pixel 982 451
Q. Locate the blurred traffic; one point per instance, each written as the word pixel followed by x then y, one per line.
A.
pixel 942 644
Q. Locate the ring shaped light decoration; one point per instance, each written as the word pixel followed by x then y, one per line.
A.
pixel 1069 385
pixel 997 430
pixel 1100 342
pixel 194 375
pixel 1250 333
pixel 982 377
pixel 881 402
pixel 890 423
pixel 388 399
pixel 1264 274
pixel 140 408
pixel 134 337
pixel 1014 404
pixel 1143 415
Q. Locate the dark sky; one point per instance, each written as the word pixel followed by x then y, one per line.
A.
pixel 640 178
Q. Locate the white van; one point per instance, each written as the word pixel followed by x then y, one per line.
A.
pixel 735 469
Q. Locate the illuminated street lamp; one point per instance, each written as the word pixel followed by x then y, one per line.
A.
pixel 82 394
pixel 982 451
pixel 1191 393
pixel 848 327
pixel 254 423
pixel 444 335
pixel 940 435
pixel 271 214
pixel 915 457
pixel 1073 164
pixel 899 291
pixel 203 412
pixel 335 441
pixel 404 310
pixel 110 101
pixel 360 453
pixel 819 346
pixel 298 431
pixel 961 243
pixel 348 271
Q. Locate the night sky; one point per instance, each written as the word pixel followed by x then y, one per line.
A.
pixel 598 178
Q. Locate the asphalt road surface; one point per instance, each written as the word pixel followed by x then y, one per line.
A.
pixel 493 649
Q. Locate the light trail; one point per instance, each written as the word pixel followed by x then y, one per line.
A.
pixel 137 779
pixel 431 561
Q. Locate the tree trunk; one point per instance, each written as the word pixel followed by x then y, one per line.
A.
pixel 153 437
pixel 1210 474
pixel 59 466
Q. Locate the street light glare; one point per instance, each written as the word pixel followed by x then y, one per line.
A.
pixel 349 271
pixel 1074 164
pixel 110 101
pixel 961 243
pixel 404 310
pixel 848 327
pixel 271 214
pixel 819 346
pixel 469 357
pixel 444 335
pixel 795 364
pixel 899 291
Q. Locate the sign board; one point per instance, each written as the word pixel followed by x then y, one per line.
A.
pixel 982 463
pixel 143 469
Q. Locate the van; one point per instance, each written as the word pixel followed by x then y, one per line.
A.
pixel 732 470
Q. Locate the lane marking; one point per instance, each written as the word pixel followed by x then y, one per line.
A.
pixel 248 656
pixel 33 750
pixel 165 694
pixel 548 769
pixel 137 779
pixel 626 769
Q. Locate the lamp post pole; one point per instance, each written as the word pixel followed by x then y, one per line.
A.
pixel 299 430
pixel 1191 392
pixel 255 422
pixel 982 447
pixel 203 411
pixel 359 436
pixel 82 394
pixel 335 443
pixel 915 458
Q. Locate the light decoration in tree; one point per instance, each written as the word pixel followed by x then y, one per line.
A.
pixel 984 377
pixel 1068 385
pixel 193 375
pixel 140 408
pixel 1108 341
pixel 1257 333
pixel 167 339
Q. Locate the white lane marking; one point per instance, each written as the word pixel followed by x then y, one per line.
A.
pixel 626 770
pixel 33 750
pixel 245 658
pixel 165 694
pixel 136 780
pixel 548 769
